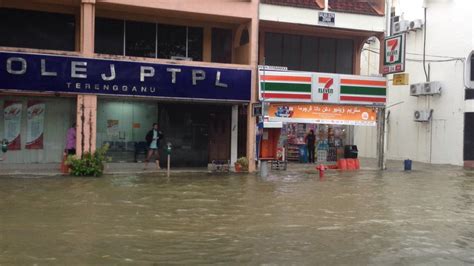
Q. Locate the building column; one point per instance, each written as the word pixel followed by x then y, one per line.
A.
pixel 86 124
pixel 234 142
pixel 86 116
pixel 251 122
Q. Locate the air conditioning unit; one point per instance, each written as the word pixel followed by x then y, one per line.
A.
pixel 422 115
pixel 416 24
pixel 431 88
pixel 401 26
pixel 415 90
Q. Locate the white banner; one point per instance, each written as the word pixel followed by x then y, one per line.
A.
pixel 12 121
pixel 34 136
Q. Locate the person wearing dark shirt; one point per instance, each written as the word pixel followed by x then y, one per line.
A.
pixel 310 144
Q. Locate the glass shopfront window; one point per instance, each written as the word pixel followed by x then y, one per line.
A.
pixel 123 124
pixel 199 133
pixel 36 127
pixel 35 29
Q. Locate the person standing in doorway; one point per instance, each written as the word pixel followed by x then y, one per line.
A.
pixel 310 144
pixel 71 140
pixel 153 143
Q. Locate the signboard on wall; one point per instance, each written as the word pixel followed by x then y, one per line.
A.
pixel 313 87
pixel 326 18
pixel 37 72
pixel 394 58
pixel 322 114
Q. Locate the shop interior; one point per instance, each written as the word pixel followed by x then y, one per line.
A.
pixel 330 145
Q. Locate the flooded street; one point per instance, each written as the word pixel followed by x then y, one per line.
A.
pixel 293 217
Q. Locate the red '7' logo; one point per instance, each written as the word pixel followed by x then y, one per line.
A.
pixel 392 44
pixel 327 87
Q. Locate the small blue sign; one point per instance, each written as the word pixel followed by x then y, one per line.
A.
pixel 50 73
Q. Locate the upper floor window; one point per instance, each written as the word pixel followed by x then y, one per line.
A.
pixel 309 53
pixel 221 45
pixel 143 39
pixel 36 29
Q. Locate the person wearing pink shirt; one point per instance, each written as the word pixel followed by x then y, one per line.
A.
pixel 71 140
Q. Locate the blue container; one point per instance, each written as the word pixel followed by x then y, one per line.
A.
pixel 303 154
pixel 407 164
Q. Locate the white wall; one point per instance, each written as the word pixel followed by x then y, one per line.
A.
pixel 449 35
pixel 308 16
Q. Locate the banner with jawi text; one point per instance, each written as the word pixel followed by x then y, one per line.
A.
pixel 35 125
pixel 323 114
pixel 12 124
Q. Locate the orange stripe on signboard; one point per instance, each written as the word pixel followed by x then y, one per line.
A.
pixel 323 80
pixel 363 82
pixel 285 78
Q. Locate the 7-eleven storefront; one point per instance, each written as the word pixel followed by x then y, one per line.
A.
pixel 329 104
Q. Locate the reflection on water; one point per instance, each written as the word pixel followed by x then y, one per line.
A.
pixel 288 218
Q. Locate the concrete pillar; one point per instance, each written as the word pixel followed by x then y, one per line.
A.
pixel 86 124
pixel 234 134
pixel 86 118
pixel 87 27
pixel 251 141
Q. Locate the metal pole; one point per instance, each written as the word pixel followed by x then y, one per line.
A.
pixel 381 138
pixel 168 167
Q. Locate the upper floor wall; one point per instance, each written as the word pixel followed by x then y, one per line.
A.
pixel 364 15
pixel 173 30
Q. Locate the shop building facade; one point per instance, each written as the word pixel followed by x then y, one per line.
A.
pixel 113 68
pixel 312 78
pixel 447 137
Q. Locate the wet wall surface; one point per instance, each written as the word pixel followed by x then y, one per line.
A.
pixel 291 217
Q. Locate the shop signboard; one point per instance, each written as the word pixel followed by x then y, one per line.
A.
pixel 66 74
pixel 285 86
pixel 313 87
pixel 394 58
pixel 323 114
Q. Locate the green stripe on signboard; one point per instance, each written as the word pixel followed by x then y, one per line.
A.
pixel 378 91
pixel 288 87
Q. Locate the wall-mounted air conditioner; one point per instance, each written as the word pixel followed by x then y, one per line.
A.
pixel 422 115
pixel 415 89
pixel 400 26
pixel 416 24
pixel 432 88
pixel 425 88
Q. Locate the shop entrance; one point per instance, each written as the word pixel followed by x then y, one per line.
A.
pixel 329 144
pixel 198 133
pixel 219 134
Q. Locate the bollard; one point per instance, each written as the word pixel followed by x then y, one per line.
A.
pixel 407 165
pixel 321 169
pixel 263 168
pixel 168 152
pixel 4 146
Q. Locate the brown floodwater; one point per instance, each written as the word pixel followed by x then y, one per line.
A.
pixel 293 217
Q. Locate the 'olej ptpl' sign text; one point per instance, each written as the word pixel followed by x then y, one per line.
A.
pixel 34 72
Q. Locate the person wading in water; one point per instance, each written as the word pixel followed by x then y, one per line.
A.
pixel 153 143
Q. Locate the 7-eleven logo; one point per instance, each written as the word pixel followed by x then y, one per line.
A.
pixel 327 89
